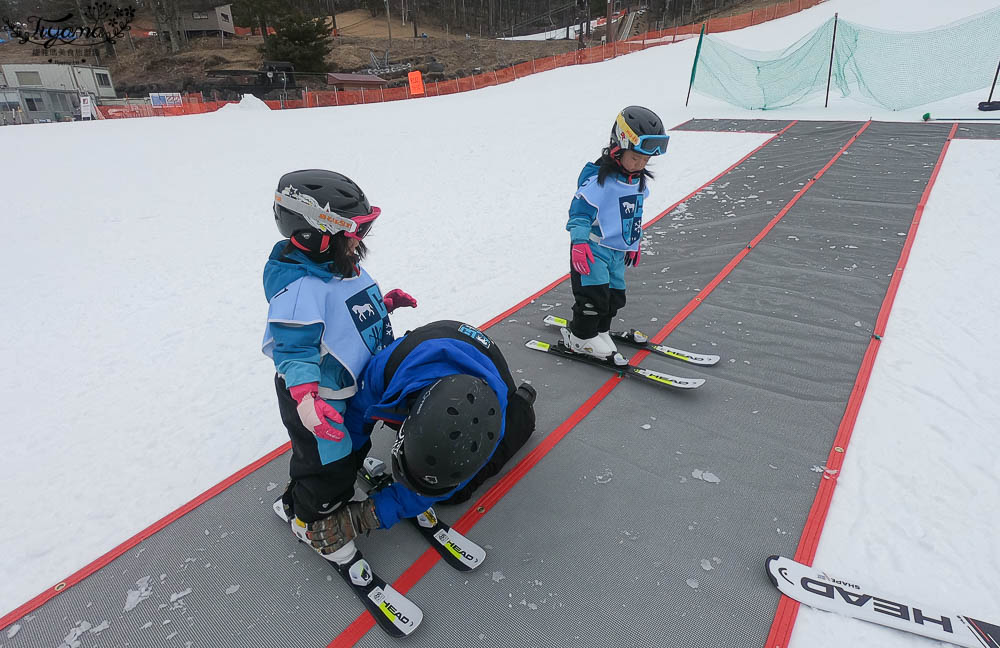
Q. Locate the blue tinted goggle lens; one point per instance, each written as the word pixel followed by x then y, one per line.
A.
pixel 652 144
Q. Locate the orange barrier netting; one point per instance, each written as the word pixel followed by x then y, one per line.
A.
pixel 194 104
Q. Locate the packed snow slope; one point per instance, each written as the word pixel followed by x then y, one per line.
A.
pixel 135 310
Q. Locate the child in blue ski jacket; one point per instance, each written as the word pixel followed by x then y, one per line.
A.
pixel 326 319
pixel 605 226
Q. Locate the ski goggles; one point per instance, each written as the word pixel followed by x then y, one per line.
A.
pixel 355 227
pixel 651 144
pixel 362 224
pixel 642 144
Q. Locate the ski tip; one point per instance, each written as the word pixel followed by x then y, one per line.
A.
pixel 770 572
pixel 670 381
pixel 400 616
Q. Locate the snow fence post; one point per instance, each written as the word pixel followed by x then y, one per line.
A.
pixel 694 67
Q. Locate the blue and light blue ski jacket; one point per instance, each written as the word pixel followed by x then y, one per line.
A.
pixel 322 328
pixel 609 215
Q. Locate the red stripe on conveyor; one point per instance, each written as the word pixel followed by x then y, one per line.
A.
pixel 784 617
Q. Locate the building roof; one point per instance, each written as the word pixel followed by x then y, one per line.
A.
pixel 355 79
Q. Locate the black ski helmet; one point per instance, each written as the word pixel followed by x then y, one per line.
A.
pixel 638 129
pixel 314 204
pixel 452 429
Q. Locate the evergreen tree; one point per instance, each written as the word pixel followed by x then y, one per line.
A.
pixel 302 41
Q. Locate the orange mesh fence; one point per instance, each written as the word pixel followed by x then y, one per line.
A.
pixel 483 80
pixel 545 64
pixel 524 69
pixel 505 75
pixel 395 94
pixel 741 21
pixel 195 103
pixel 716 25
pixel 446 87
pixel 562 60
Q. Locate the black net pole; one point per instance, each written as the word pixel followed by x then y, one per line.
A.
pixel 994 86
pixel 829 74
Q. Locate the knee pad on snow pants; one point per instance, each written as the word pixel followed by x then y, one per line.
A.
pixel 316 489
pixel 594 307
pixel 518 426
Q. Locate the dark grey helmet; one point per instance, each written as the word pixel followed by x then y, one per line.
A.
pixel 450 433
pixel 316 200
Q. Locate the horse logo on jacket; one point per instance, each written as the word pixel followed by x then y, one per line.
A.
pixel 631 214
pixel 371 318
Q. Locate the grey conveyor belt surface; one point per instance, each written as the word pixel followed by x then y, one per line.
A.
pixel 649 522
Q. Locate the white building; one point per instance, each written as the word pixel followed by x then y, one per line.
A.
pixel 87 79
pixel 50 92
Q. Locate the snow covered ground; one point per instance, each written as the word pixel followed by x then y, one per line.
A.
pixel 133 252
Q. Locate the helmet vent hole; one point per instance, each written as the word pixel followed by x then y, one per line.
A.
pixel 492 411
pixel 474 446
pixel 430 460
pixel 475 420
pixel 470 398
pixel 454 435
pixel 490 435
pixel 313 186
pixel 453 411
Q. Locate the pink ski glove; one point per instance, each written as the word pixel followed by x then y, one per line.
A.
pixel 314 412
pixel 396 298
pixel 632 258
pixel 579 255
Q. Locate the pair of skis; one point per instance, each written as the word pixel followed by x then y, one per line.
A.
pixel 637 340
pixel 397 615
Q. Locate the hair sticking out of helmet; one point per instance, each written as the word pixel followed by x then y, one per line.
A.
pixel 638 129
pixel 451 431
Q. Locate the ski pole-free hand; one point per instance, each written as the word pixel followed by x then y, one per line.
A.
pixel 315 413
pixel 580 257
pixel 396 298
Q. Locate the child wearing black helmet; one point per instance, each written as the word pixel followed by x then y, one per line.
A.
pixel 605 226
pixel 326 319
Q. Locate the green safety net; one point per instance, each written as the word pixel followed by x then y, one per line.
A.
pixel 896 70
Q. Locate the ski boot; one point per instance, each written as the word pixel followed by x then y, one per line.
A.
pixel 596 347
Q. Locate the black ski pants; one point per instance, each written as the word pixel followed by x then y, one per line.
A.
pixel 594 307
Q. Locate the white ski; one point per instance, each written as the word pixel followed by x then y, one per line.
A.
pixel 821 590
pixel 639 340
pixel 397 615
